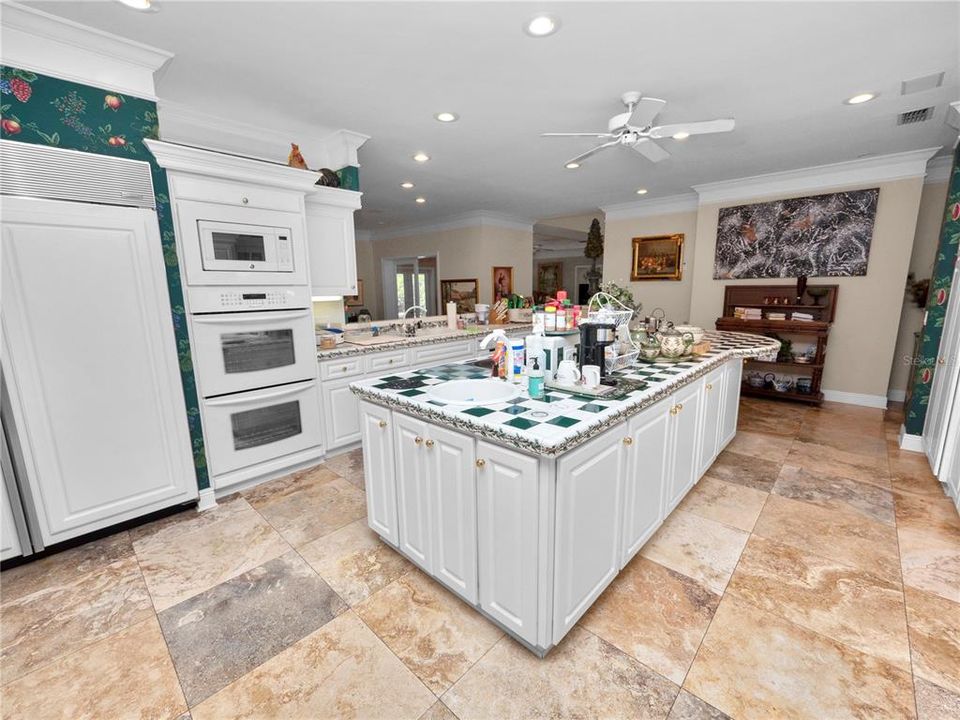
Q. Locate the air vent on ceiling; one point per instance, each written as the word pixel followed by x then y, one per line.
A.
pixel 915 116
pixel 920 84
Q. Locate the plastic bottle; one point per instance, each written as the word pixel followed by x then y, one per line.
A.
pixel 561 320
pixel 535 381
pixel 515 373
pixel 550 318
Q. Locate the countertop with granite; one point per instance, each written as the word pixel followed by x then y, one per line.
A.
pixel 430 335
pixel 562 420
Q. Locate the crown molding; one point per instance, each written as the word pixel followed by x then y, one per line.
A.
pixel 330 196
pixel 938 169
pixel 479 218
pixel 685 202
pixel 882 168
pixel 201 161
pixel 544 230
pixel 51 45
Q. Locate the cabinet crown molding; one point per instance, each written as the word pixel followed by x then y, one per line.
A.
pixel 338 197
pixel 201 161
pixel 55 46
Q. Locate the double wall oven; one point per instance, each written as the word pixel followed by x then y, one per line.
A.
pixel 254 347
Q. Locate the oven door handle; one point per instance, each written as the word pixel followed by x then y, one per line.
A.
pixel 233 400
pixel 238 318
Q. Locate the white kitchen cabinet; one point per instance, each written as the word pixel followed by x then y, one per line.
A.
pixel 685 443
pixel 507 530
pixel 731 400
pixel 331 241
pixel 711 421
pixel 413 489
pixel 647 469
pixel 9 539
pixel 589 508
pixel 452 482
pixel 380 473
pixel 341 414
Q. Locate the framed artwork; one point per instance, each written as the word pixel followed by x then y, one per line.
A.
pixel 657 257
pixel 355 300
pixel 463 292
pixel 549 278
pixel 502 282
pixel 817 236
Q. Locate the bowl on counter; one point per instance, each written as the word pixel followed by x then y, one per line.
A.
pixel 697 332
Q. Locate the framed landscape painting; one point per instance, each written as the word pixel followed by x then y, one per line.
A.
pixel 463 292
pixel 657 257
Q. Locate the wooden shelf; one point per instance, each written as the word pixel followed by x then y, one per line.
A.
pixel 803 327
pixel 788 363
pixel 812 398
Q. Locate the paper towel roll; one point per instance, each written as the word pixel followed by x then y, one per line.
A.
pixel 452 315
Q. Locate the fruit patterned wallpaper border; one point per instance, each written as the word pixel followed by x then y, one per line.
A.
pixel 940 281
pixel 50 111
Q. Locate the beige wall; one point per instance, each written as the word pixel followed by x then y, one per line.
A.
pixel 469 252
pixel 671 295
pixel 575 222
pixel 864 333
pixel 929 221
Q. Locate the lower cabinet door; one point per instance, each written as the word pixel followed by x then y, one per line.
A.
pixel 507 537
pixel 413 489
pixel 645 481
pixel 453 506
pixel 711 418
pixel 379 474
pixel 341 413
pixel 685 443
pixel 587 540
pixel 731 401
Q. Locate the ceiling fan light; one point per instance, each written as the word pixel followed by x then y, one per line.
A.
pixel 542 25
pixel 572 166
pixel 421 157
pixel 682 135
pixel 860 98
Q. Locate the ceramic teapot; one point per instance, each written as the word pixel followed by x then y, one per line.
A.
pixel 648 345
pixel 673 343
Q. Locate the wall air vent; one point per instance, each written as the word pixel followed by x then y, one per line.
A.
pixel 911 117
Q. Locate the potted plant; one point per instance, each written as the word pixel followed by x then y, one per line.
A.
pixel 594 250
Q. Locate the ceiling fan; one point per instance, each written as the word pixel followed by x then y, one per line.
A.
pixel 635 129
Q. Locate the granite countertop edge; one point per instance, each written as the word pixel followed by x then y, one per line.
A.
pixel 517 441
pixel 348 350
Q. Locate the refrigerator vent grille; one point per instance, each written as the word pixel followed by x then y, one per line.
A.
pixel 39 171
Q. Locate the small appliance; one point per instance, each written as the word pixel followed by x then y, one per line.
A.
pixel 594 339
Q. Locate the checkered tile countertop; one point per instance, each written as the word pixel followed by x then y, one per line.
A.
pixel 562 420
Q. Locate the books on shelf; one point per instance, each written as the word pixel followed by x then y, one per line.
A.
pixel 802 316
pixel 747 313
pixel 776 316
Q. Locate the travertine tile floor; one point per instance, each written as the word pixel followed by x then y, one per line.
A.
pixel 814 572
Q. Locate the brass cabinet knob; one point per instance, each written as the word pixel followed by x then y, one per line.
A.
pixel 429 443
pixel 941 361
pixel 628 440
pixel 245 200
pixel 709 386
pixel 382 423
pixel 390 361
pixel 481 462
pixel 343 369
pixel 679 407
pixel 418 440
pixel 675 409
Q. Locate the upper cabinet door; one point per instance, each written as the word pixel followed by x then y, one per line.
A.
pixel 647 471
pixel 378 471
pixel 332 249
pixel 413 489
pixel 712 417
pixel 731 401
pixel 453 495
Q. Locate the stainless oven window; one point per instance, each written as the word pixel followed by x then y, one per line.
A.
pixel 257 350
pixel 239 246
pixel 265 425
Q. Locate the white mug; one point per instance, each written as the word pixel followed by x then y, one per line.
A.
pixel 591 376
pixel 567 372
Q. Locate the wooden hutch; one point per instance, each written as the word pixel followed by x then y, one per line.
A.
pixel 783 299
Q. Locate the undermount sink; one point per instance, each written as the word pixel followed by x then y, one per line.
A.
pixel 473 392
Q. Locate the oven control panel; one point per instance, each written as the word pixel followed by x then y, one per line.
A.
pixel 245 298
pixel 241 300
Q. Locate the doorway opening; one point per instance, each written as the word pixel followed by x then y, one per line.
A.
pixel 409 281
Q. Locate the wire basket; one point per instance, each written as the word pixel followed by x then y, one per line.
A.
pixel 621 362
pixel 609 310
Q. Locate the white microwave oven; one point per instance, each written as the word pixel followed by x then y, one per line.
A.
pixel 235 247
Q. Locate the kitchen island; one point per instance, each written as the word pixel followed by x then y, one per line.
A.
pixel 527 509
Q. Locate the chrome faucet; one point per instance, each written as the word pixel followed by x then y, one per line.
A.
pixel 408 329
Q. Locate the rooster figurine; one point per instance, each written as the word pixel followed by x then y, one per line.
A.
pixel 295 159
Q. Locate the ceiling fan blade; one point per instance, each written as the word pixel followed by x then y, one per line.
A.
pixel 593 134
pixel 694 128
pixel 650 150
pixel 593 151
pixel 645 111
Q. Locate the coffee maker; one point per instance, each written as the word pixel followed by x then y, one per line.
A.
pixel 594 338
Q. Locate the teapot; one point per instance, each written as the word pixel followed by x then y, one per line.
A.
pixel 648 345
pixel 673 343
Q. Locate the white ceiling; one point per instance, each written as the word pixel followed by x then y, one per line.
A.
pixel 781 69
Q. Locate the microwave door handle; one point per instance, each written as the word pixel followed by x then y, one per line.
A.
pixel 234 400
pixel 240 319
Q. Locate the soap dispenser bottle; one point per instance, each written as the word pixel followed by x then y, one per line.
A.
pixel 535 381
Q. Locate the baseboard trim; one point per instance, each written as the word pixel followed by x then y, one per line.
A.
pixel 911 443
pixel 848 398
pixel 897 395
pixel 208 500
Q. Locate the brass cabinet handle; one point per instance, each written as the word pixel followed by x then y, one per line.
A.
pixel 382 423
pixel 679 407
pixel 481 462
pixel 429 443
pixel 343 369
pixel 418 440
pixel 390 361
pixel 628 440
pixel 675 409
pixel 245 200
pixel 709 386
pixel 941 361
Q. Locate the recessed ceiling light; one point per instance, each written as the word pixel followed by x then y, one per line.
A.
pixel 138 4
pixel 421 157
pixel 406 185
pixel 641 191
pixel 421 200
pixel 542 25
pixel 682 135
pixel 447 117
pixel 861 98
pixel 572 166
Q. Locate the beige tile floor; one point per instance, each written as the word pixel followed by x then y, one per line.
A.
pixel 813 573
